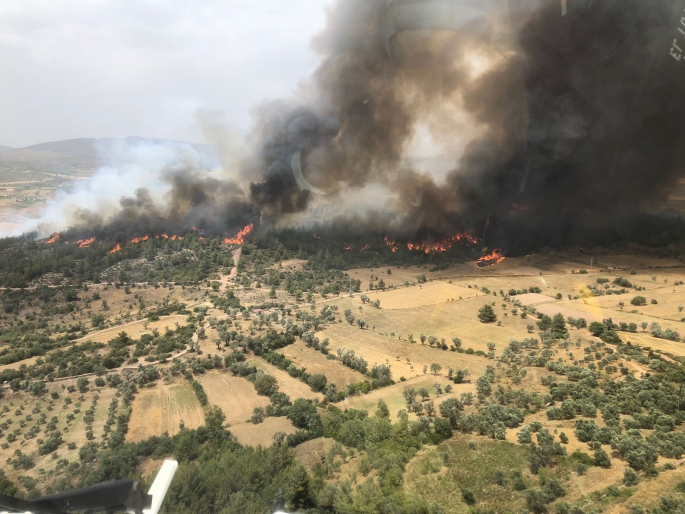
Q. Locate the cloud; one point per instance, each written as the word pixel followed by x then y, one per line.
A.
pixel 96 68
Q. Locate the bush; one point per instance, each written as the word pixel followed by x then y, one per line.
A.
pixel 630 478
pixel 468 496
pixel 486 314
pixel 602 459
pixel 317 382
pixel 266 385
pixel 639 301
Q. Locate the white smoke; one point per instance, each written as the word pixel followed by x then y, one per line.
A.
pixel 129 166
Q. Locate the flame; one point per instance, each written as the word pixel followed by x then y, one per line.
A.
pixel 115 249
pixel 348 248
pixel 240 237
pixel 139 239
pixel 365 248
pixel 54 238
pixel 316 237
pixel 175 237
pixel 164 236
pixel 85 243
pixel 441 246
pixel 490 259
pixel 392 244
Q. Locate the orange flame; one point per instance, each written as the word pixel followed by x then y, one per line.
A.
pixel 392 244
pixel 441 246
pixel 348 248
pixel 490 259
pixel 365 248
pixel 85 243
pixel 54 238
pixel 139 239
pixel 115 249
pixel 316 237
pixel 240 237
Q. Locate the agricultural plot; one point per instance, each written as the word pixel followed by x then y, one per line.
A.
pixel 136 328
pixel 161 409
pixel 263 433
pixel 447 320
pixel 316 362
pixel 26 421
pixel 393 395
pixel 467 463
pixel 236 396
pixel 430 293
pixel 286 384
pixel 405 359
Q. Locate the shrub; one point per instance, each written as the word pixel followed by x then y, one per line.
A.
pixel 266 385
pixel 486 314
pixel 639 301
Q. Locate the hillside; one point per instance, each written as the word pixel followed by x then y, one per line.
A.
pixel 539 383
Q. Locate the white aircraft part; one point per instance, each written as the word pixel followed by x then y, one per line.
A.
pixel 302 182
pixel 161 485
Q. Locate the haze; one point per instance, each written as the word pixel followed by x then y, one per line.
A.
pixel 105 68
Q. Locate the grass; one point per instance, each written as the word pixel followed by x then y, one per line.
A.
pixel 442 473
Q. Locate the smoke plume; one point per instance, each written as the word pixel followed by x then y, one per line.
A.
pixel 564 123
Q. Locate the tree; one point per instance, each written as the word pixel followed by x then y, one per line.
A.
pixel 382 411
pixel 486 314
pixel 597 328
pixel 258 415
pixel 317 382
pixel 559 329
pixel 423 393
pixel 630 478
pixel 468 496
pixel 460 375
pixel 483 385
pixel 266 385
pixel 602 459
pixel 456 344
pixel 545 323
pixel 639 301
pixel 82 384
pixel 435 368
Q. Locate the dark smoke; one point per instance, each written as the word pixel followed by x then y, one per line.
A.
pixel 576 129
pixel 581 120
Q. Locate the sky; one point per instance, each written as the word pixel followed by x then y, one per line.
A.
pixel 116 68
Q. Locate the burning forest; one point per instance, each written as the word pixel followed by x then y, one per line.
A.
pixel 563 127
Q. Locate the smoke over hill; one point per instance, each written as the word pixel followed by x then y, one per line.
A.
pixel 567 124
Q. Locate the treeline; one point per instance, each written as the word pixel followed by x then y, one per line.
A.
pixel 87 357
pixel 187 260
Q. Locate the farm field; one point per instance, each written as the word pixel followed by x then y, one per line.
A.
pixel 235 395
pixel 263 433
pixel 316 362
pixel 221 340
pixel 286 384
pixel 162 409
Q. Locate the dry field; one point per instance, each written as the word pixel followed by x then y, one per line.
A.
pixel 430 293
pixel 316 362
pixel 393 395
pixel 161 409
pixel 263 433
pixel 135 329
pixel 236 396
pixel 405 359
pixel 73 431
pixel 286 384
